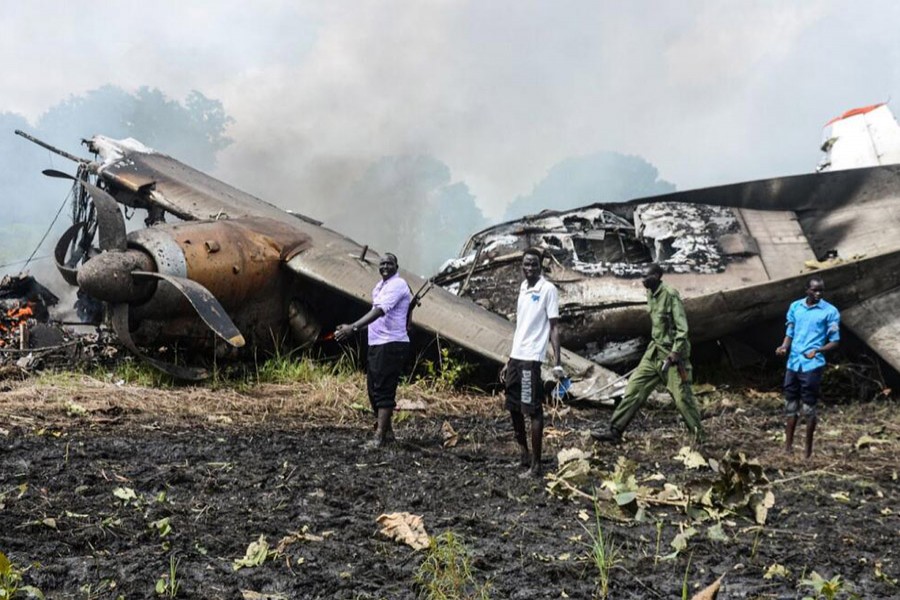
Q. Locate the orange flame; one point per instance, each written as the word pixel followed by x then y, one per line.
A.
pixel 20 314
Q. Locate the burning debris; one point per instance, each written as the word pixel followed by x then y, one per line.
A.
pixel 29 337
pixel 23 303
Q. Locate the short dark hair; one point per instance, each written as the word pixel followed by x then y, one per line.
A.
pixel 813 279
pixel 654 269
pixel 534 252
pixel 392 256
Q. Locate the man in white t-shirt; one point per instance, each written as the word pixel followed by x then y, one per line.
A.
pixel 537 314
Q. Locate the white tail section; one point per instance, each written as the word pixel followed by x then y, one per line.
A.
pixel 862 137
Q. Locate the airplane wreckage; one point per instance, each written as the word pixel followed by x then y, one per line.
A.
pixel 738 254
pixel 246 273
pixel 237 271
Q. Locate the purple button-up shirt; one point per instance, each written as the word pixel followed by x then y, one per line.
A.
pixel 393 297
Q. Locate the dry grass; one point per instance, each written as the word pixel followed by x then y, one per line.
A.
pixel 331 400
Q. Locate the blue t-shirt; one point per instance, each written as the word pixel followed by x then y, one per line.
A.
pixel 810 328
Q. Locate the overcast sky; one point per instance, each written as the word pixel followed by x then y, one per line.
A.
pixel 709 91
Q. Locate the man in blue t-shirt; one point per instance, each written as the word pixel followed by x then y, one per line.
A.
pixel 812 329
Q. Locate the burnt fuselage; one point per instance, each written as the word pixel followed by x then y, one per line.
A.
pixel 738 254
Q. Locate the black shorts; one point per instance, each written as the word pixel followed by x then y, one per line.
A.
pixel 386 362
pixel 802 387
pixel 524 388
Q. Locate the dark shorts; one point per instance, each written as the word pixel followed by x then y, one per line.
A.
pixel 802 387
pixel 386 362
pixel 524 388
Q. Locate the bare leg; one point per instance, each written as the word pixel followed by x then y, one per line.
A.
pixel 384 424
pixel 518 422
pixel 789 434
pixel 810 430
pixel 537 443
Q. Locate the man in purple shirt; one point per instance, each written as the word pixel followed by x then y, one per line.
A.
pixel 388 344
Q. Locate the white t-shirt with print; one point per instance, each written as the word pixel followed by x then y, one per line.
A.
pixel 537 305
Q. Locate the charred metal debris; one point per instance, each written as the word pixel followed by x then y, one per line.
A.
pixel 594 241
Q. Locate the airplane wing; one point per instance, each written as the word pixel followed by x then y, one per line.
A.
pixel 877 323
pixel 185 192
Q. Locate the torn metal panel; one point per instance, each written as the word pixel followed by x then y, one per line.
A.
pixel 877 321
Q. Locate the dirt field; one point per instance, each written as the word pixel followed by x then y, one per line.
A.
pixel 104 487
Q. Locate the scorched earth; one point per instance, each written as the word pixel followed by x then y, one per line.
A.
pixel 264 491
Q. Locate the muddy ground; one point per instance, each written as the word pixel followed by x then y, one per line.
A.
pixel 226 466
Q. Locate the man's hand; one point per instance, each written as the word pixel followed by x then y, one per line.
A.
pixel 559 372
pixel 781 350
pixel 502 374
pixel 343 332
pixel 673 358
pixel 811 354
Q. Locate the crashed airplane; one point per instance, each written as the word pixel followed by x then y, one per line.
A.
pixel 739 254
pixel 234 271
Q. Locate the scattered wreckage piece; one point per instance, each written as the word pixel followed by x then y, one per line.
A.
pixel 736 253
pixel 238 271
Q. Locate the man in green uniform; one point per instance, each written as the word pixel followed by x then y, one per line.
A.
pixel 666 361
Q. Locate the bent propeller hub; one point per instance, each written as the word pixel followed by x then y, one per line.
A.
pixel 107 276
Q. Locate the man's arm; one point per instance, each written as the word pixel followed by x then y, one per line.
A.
pixel 558 371
pixel 554 341
pixel 345 331
pixel 832 335
pixel 788 333
pixel 679 322
pixel 784 347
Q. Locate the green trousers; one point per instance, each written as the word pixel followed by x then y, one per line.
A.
pixel 644 380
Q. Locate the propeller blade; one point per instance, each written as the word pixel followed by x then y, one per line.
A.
pixel 57 174
pixel 68 273
pixel 120 326
pixel 204 303
pixel 109 217
pixel 111 223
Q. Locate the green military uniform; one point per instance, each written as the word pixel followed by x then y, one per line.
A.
pixel 669 334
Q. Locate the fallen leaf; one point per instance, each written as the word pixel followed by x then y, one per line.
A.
pixel 254 556
pixel 776 570
pixel 569 454
pixel 220 419
pixel 710 592
pixel 404 404
pixel 125 493
pixel 49 522
pixel 761 509
pixel 717 534
pixel 691 458
pixel 251 595
pixel 73 409
pixel 841 497
pixel 867 441
pixel 404 527
pixel 449 435
pixel 703 388
pixel 681 540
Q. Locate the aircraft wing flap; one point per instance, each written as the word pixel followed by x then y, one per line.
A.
pixel 876 321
